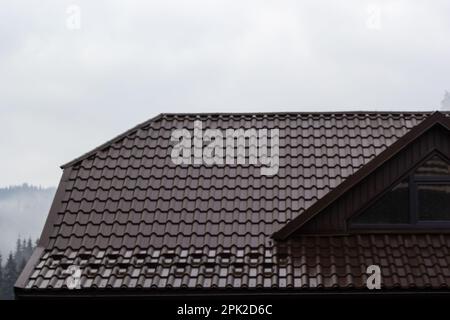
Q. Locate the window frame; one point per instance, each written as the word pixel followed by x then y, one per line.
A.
pixel 414 222
pixel 443 180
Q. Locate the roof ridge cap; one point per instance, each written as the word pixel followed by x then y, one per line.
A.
pixel 397 112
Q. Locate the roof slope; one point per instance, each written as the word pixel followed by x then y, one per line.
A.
pixel 131 218
pixel 328 262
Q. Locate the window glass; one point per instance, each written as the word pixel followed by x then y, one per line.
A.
pixel 392 208
pixel 434 201
pixel 435 166
pixel 429 188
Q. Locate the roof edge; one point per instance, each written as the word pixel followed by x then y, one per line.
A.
pixel 56 204
pixel 45 235
pixel 356 112
pixel 29 267
pixel 111 141
pixel 292 226
pixel 203 293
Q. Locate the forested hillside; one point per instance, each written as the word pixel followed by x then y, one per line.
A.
pixel 12 265
pixel 23 210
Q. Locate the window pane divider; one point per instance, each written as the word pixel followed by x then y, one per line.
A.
pixel 413 202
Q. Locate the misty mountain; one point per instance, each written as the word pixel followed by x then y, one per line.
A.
pixel 23 210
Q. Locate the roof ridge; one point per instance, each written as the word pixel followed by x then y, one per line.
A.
pixel 300 113
pixel 193 114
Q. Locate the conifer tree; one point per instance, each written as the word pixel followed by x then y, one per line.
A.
pixel 9 277
pixel 1 279
pixel 18 252
pixel 29 248
pixel 14 265
pixel 24 248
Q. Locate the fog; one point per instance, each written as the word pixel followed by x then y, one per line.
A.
pixel 23 210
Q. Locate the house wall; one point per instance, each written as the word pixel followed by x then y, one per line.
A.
pixel 334 218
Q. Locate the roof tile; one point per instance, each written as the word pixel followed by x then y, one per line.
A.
pixel 129 199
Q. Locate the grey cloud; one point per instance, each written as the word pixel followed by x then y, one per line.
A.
pixel 63 92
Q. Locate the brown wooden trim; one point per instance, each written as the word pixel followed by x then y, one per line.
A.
pixel 414 224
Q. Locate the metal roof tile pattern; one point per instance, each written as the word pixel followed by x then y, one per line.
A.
pixel 310 262
pixel 130 218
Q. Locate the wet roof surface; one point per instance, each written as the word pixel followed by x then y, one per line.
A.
pixel 130 218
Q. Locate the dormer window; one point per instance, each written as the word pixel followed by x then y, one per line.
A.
pixel 419 201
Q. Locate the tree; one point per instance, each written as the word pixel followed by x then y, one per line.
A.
pixel 14 265
pixel 18 252
pixel 24 247
pixel 1 278
pixel 29 247
pixel 9 277
pixel 445 103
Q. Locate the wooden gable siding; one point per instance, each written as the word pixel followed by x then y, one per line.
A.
pixel 334 218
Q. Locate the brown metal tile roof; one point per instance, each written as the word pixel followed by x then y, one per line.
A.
pixel 130 218
pixel 339 262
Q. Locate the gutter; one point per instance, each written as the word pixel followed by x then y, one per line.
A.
pixel 213 294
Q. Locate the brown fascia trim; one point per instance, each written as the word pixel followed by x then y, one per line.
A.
pixel 45 235
pixel 219 293
pixel 437 118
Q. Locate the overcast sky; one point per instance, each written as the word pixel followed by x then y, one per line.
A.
pixel 73 74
